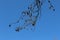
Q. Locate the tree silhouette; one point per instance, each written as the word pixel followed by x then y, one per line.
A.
pixel 29 17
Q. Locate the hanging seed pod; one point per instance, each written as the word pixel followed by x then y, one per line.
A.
pixel 9 25
pixel 53 9
pixel 17 30
pixel 48 1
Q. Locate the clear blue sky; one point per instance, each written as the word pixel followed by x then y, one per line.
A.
pixel 48 27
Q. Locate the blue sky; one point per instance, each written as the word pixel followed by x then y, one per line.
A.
pixel 48 26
